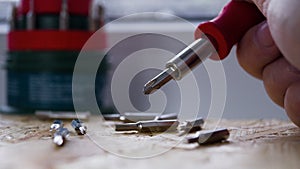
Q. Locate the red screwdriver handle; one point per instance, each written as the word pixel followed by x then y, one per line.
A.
pixel 236 18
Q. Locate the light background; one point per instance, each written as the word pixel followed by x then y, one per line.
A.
pixel 246 98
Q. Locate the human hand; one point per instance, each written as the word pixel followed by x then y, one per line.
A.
pixel 270 51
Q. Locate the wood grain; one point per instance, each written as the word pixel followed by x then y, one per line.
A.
pixel 25 142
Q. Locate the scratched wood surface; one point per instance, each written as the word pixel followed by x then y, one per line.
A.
pixel 25 142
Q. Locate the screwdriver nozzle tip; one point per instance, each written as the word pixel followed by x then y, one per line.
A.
pixel 158 81
pixel 148 88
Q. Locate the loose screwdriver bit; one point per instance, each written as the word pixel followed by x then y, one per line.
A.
pixel 149 126
pixel 139 116
pixel 111 117
pixel 209 136
pixel 169 116
pixel 191 126
pixel 56 125
pixel 60 136
pixel 79 127
pixel 133 117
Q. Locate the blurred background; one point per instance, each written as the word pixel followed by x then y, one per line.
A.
pixel 246 98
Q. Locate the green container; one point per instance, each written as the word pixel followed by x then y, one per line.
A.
pixel 51 21
pixel 42 80
pixel 78 22
pixel 47 21
pixel 21 22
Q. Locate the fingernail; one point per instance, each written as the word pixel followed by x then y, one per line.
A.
pixel 263 35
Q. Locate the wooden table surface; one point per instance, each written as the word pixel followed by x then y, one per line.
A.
pixel 25 142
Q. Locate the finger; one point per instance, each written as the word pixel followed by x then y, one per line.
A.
pixel 262 5
pixel 292 102
pixel 283 17
pixel 257 49
pixel 277 77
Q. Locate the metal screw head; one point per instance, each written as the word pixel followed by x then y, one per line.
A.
pixel 56 125
pixel 79 127
pixel 60 136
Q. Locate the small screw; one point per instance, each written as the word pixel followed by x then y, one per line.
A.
pixel 60 136
pixel 56 125
pixel 79 127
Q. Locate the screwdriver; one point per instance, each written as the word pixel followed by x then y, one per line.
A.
pixel 215 37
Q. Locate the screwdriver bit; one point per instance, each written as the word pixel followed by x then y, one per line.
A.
pixel 209 136
pixel 60 136
pixel 158 81
pixel 181 64
pixel 139 116
pixel 56 125
pixel 149 126
pixel 190 126
pixel 79 127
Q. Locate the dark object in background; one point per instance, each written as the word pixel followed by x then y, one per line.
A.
pixel 79 127
pixel 43 46
pixel 209 136
pixel 60 136
pixel 42 80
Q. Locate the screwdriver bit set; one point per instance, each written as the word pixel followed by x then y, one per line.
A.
pixel 191 129
pixel 150 123
pixel 43 44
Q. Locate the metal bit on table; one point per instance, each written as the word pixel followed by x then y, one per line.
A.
pixel 62 115
pixel 139 116
pixel 111 117
pixel 209 136
pixel 60 136
pixel 169 116
pixel 149 126
pixel 132 117
pixel 56 125
pixel 79 127
pixel 191 126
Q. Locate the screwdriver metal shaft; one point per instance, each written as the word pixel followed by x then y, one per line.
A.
pixel 181 64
